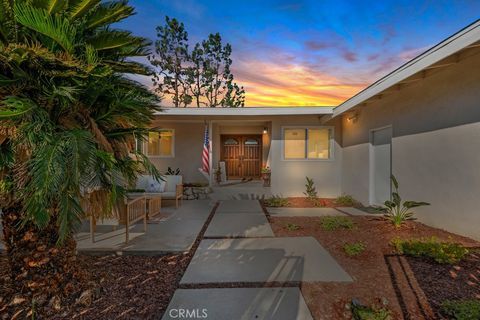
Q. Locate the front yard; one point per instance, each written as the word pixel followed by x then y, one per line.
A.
pixel 410 287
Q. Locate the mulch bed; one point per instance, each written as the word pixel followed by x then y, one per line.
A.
pixel 127 287
pixel 376 280
pixel 442 282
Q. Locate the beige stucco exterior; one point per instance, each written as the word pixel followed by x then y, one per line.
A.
pixel 435 145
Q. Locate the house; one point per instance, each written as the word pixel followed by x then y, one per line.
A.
pixel 421 122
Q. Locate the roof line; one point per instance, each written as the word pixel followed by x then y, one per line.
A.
pixel 443 45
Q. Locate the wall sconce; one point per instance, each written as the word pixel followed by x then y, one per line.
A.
pixel 353 117
pixel 265 130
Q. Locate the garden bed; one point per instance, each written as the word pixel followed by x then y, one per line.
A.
pixel 441 282
pixel 377 280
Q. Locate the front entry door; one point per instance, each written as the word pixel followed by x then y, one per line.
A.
pixel 242 155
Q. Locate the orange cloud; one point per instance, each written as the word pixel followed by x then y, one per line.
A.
pixel 271 84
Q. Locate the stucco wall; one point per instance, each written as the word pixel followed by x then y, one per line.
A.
pixel 188 148
pixel 288 177
pixel 435 146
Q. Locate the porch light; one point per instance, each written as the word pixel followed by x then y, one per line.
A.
pixel 265 130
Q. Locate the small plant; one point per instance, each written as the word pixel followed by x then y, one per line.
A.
pixel 318 203
pixel 346 200
pixel 276 201
pixel 336 222
pixel 462 309
pixel 398 212
pixel 441 252
pixel 310 190
pixel 292 227
pixel 361 312
pixel 266 170
pixel 353 249
pixel 171 172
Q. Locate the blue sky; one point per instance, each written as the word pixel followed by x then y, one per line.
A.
pixel 311 52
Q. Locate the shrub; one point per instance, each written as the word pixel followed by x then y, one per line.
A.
pixel 462 309
pixel 361 312
pixel 292 227
pixel 276 201
pixel 353 249
pixel 441 252
pixel 398 212
pixel 310 190
pixel 346 200
pixel 336 222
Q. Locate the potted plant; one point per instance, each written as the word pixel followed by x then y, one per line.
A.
pixel 218 175
pixel 266 176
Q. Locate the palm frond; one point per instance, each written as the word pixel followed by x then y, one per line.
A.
pixel 129 67
pixel 108 13
pixel 79 8
pixel 12 106
pixel 54 27
pixel 112 39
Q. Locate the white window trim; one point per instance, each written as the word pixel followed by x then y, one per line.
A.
pixel 331 143
pixel 145 145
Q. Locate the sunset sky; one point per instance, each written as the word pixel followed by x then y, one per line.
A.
pixel 311 53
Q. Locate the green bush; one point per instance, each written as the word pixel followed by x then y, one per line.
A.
pixel 462 309
pixel 360 312
pixel 441 252
pixel 292 227
pixel 336 222
pixel 276 201
pixel 397 211
pixel 346 200
pixel 353 249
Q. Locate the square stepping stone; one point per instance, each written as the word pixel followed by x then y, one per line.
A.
pixel 262 260
pixel 238 303
pixel 239 225
pixel 353 211
pixel 239 206
pixel 304 212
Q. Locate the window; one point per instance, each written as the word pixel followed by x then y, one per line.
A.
pixel 251 142
pixel 161 143
pixel 307 143
pixel 230 142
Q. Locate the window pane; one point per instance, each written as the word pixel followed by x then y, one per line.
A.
pixel 166 143
pixel 318 143
pixel 294 143
pixel 230 142
pixel 153 145
pixel 251 142
pixel 160 143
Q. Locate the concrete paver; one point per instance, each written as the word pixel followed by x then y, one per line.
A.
pixel 239 206
pixel 239 225
pixel 239 303
pixel 262 260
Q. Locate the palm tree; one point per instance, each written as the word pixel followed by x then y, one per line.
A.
pixel 69 118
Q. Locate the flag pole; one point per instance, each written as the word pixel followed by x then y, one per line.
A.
pixel 210 153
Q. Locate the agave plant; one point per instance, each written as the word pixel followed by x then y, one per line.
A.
pixel 69 118
pixel 397 211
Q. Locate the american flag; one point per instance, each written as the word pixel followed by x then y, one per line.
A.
pixel 205 152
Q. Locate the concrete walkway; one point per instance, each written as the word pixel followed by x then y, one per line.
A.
pixel 240 303
pixel 257 257
pixel 262 260
pixel 176 233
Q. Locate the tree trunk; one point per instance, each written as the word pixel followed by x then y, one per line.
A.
pixel 41 270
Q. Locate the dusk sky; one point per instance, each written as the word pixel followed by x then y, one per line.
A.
pixel 311 53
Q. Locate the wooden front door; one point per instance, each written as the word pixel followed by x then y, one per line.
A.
pixel 242 155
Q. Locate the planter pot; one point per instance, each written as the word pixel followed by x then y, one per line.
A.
pixel 266 179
